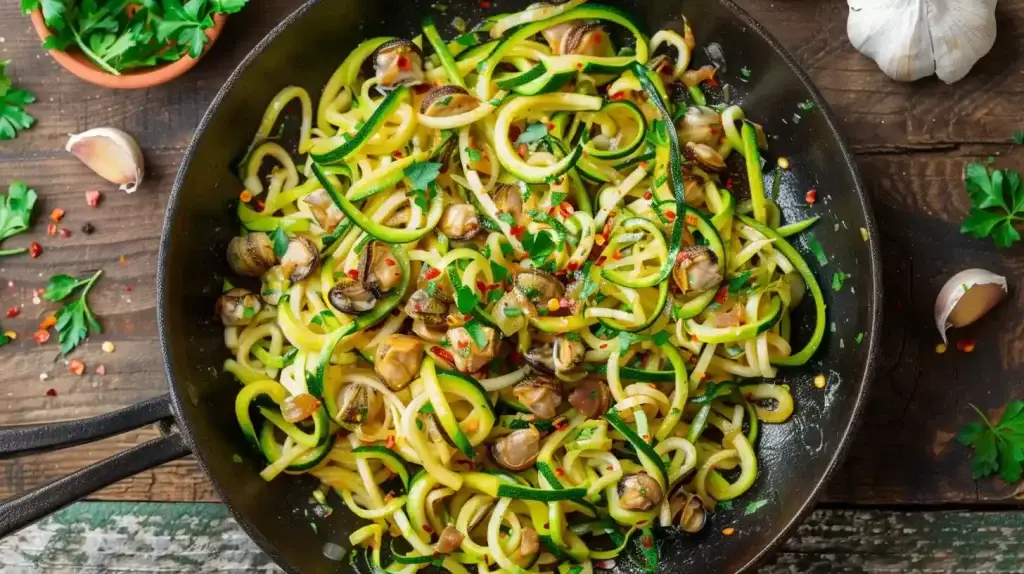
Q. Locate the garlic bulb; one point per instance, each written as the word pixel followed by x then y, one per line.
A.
pixel 966 297
pixel 911 39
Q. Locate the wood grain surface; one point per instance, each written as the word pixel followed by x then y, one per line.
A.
pixel 912 142
pixel 149 538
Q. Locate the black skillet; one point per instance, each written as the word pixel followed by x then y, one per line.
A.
pixel 197 416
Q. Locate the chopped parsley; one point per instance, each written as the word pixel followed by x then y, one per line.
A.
pixel 755 506
pixel 421 176
pixel 998 203
pixel 837 280
pixel 806 105
pixel 476 331
pixel 532 134
pixel 499 272
pixel 538 246
pixel 280 239
pixel 513 312
pixel 816 249
pixel 474 155
pixel 737 283
pixel 1018 137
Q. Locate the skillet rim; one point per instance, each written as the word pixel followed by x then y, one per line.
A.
pixel 742 18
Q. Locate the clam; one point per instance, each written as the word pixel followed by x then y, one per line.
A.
pixel 299 407
pixel 378 269
pixel 529 546
pixel 539 287
pixel 693 516
pixel 446 101
pixel 449 541
pixel 432 311
pixel 693 190
pixel 442 286
pixel 398 63
pixel 398 359
pixel 508 198
pixel 591 398
pixel 698 270
pixel 349 296
pixel 300 259
pixel 542 395
pixel 567 354
pixel 469 356
pixel 663 66
pixel 355 406
pixel 639 492
pixel 400 218
pixel 705 156
pixel 460 222
pixel 237 307
pixel 693 78
pixel 517 450
pixel 585 39
pixel 252 254
pixel 540 358
pixel 512 312
pixel 327 214
pixel 702 125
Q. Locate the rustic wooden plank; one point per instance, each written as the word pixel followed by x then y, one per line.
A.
pixel 917 196
pixel 149 537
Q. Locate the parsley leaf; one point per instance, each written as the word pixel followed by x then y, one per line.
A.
pixel 423 173
pixel 538 246
pixel 714 391
pixel 626 339
pixel 754 506
pixel 998 201
pixel 74 319
pixel 474 155
pixel 16 212
pixel 660 338
pixel 13 117
pixel 532 133
pixel 1018 138
pixel 499 272
pixel 280 239
pixel 4 339
pixel 837 280
pixel 998 447
pixel 465 299
pixel 476 331
pixel 513 312
pixel 737 283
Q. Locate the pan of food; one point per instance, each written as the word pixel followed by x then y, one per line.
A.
pixel 519 288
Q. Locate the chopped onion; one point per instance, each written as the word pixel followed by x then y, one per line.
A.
pixel 333 552
pixel 966 297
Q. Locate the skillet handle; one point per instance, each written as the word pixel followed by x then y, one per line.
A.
pixel 17 513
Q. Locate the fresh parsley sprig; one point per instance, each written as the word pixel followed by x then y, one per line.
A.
pixel 16 213
pixel 998 204
pixel 422 176
pixel 998 447
pixel 13 117
pixel 74 319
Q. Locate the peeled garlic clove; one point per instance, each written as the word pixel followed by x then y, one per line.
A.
pixel 111 153
pixel 966 297
pixel 911 39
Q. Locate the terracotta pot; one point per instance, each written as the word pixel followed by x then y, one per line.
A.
pixel 80 65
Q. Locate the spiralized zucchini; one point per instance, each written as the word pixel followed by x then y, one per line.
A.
pixel 506 305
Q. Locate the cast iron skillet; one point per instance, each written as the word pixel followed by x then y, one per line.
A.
pixel 197 416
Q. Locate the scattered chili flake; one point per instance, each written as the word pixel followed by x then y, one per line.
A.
pixel 433 273
pixel 812 196
pixel 391 441
pixel 521 149
pixel 245 196
pixel 485 4
pixel 784 163
pixel 561 424
pixel 77 367
pixel 123 260
pixel 35 250
pixel 389 262
pixel 56 215
pixel 610 467
pixel 397 154
pixel 65 233
pixel 728 183
pixel 463 344
pixel 599 239
pixel 92 198
pixel 353 274
pixel 567 208
pixel 966 345
pixel 619 96
pixel 481 286
pixel 259 205
pixel 711 82
pixel 51 229
pixel 690 219
pixel 819 381
pixel 127 288
pixel 646 436
pixel 641 522
pixel 559 472
pixel 648 195
pixel 101 370
pixel 940 348
pixel 729 531
pixel 670 215
pixel 572 266
pixel 514 132
pixel 404 64
pixel 51 392
pixel 428 529
pixel 87 228
pixel 13 312
pixel 722 295
pixel 600 260
pixel 647 541
pixel 517 231
pixel 617 255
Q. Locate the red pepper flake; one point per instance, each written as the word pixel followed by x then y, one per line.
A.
pixel 463 344
pixel 397 155
pixel 51 392
pixel 51 229
pixel 443 353
pixel 600 260
pixel 517 231
pixel 966 345
pixel 729 531
pixel 127 288
pixel 648 195
pixel 619 96
pixel 617 255
pixel 391 441
pixel 812 196
pixel 485 4
pixel 521 149
pixel 389 262
pixel 65 233
pixel 48 322
pixel 647 541
pixel 579 65
pixel 728 183
pixel 711 82
pixel 77 367
pixel 35 250
pixel 670 215
pixel 259 205
pixel 559 472
pixel 92 198
pixel 428 529
pixel 244 197
pixel 690 219
pixel 646 436
pixel 101 370
pixel 722 295
pixel 404 64
pixel 641 522
pixel 421 88
pixel 610 467
pixel 56 215
pixel 572 266
pixel 567 208
pixel 13 312
pixel 481 286
pixel 353 274
pixel 433 273
pixel 514 132
pixel 515 357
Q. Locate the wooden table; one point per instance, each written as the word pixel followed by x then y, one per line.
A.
pixel 900 502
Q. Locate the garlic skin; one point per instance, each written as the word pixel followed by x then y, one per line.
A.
pixel 112 154
pixel 966 297
pixel 912 39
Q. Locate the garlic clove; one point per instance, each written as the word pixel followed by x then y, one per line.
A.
pixel 966 297
pixel 911 39
pixel 111 153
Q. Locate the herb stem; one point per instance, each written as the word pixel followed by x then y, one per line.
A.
pixel 984 418
pixel 4 252
pixel 88 284
pixel 92 55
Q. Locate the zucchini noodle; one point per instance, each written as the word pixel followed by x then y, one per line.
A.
pixel 506 311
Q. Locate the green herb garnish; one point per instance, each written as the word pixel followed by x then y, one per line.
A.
pixel 533 133
pixel 837 280
pixel 280 239
pixel 13 117
pixel 74 319
pixel 816 249
pixel 998 203
pixel 16 212
pixel 998 447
